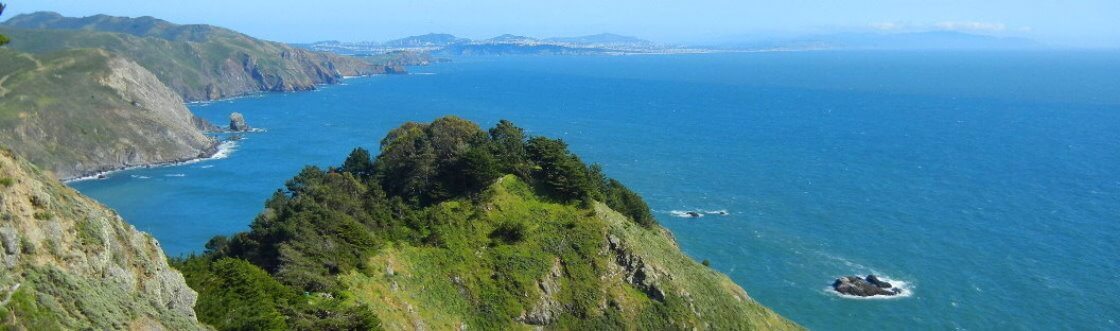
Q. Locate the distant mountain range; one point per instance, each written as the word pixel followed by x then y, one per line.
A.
pixel 446 44
pixel 607 43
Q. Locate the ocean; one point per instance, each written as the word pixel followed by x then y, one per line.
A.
pixel 987 183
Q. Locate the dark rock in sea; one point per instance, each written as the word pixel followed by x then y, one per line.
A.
pixel 878 282
pixel 237 123
pixel 871 286
pixel 693 214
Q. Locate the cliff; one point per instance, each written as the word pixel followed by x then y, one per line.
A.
pixel 68 263
pixel 82 111
pixel 199 62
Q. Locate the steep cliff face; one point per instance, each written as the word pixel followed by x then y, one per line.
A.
pixel 66 262
pixel 83 111
pixel 200 62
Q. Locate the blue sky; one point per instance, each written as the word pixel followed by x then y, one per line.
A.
pixel 1076 22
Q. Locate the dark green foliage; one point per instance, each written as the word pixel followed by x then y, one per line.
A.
pixel 311 233
pixel 508 233
pixel 706 263
pixel 508 144
pixel 358 163
pixel 562 173
pixel 325 224
pixel 6 181
pixel 478 169
pixel 3 40
pixel 237 295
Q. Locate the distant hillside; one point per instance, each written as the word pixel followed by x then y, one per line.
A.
pixel 422 41
pixel 69 263
pixel 81 111
pixel 605 40
pixel 456 228
pixel 200 62
pixel 446 44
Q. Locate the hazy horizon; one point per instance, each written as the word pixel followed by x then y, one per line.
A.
pixel 1084 24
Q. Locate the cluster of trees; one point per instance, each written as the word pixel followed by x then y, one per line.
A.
pixel 452 157
pixel 327 222
pixel 3 40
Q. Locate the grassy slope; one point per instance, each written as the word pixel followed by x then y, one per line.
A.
pixel 479 281
pixel 223 64
pixel 56 111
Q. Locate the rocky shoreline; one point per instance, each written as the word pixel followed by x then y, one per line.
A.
pixel 208 154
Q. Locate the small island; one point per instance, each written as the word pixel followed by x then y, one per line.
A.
pixel 864 287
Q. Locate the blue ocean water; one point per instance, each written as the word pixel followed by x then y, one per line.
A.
pixel 988 182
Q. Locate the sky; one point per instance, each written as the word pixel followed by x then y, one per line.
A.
pixel 1079 23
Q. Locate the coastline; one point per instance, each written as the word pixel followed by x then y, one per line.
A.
pixel 220 150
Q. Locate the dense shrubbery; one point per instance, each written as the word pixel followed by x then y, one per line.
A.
pixel 325 223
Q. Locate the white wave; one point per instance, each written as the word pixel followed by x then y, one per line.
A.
pixel 139 177
pixel 686 213
pixel 224 150
pixel 175 175
pixel 208 166
pixel 720 212
pixel 906 290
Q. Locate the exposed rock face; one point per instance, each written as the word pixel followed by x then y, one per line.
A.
pixel 69 263
pixel 237 123
pixel 864 287
pixel 548 307
pixel 636 271
pixel 104 112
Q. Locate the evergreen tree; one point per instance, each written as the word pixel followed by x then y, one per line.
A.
pixel 3 39
pixel 562 173
pixel 508 146
pixel 358 163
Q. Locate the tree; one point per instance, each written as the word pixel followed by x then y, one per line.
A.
pixel 508 146
pixel 358 163
pixel 479 169
pixel 561 172
pixel 3 40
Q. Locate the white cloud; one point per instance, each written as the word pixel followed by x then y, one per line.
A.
pixel 971 26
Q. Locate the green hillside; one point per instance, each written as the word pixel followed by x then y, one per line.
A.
pixel 200 62
pixel 82 111
pixel 453 227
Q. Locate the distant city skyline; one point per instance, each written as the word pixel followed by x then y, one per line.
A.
pixel 1089 23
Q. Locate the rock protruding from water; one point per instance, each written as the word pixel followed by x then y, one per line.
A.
pixel 237 123
pixel 864 287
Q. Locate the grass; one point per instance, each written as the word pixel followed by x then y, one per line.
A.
pixel 485 282
pixel 191 68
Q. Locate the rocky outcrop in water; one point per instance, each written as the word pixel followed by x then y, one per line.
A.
pixel 68 263
pixel 864 287
pixel 237 123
